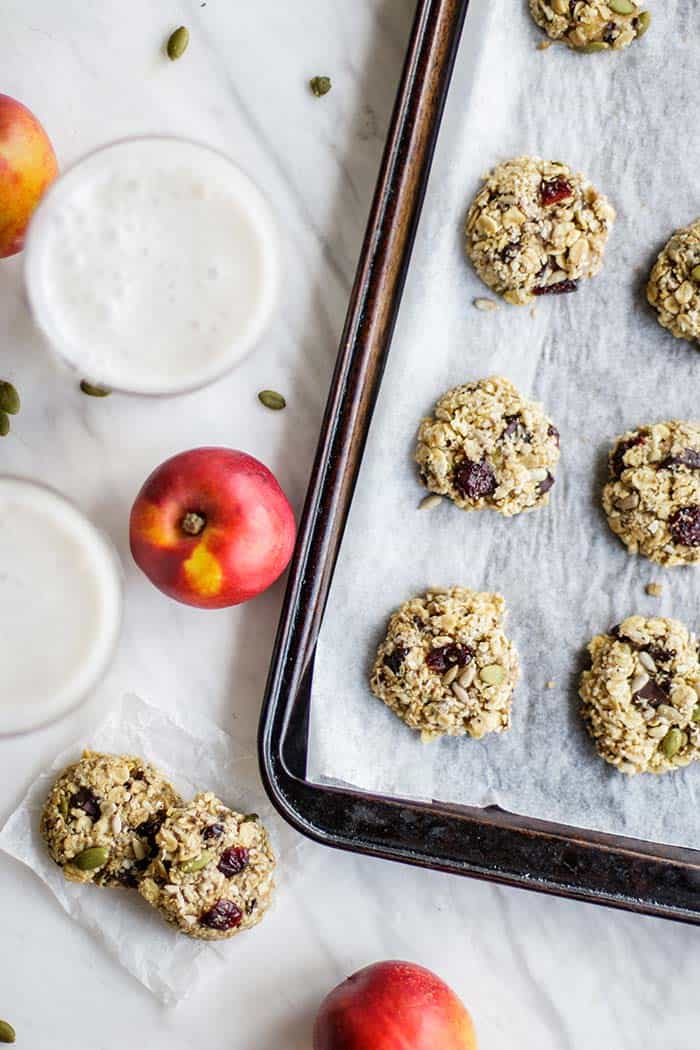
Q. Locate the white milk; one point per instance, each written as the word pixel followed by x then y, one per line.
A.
pixel 152 265
pixel 60 605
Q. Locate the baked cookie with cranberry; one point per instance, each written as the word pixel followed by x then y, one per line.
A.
pixel 591 25
pixel 674 284
pixel 640 699
pixel 536 228
pixel 652 500
pixel 100 819
pixel 488 447
pixel 213 873
pixel 446 666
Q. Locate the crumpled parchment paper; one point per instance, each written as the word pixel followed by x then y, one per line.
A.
pixel 598 361
pixel 197 756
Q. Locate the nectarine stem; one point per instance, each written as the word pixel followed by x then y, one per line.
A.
pixel 193 523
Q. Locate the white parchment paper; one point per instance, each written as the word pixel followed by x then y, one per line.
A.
pixel 196 756
pixel 598 361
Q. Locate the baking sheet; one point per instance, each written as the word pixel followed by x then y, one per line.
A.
pixel 598 361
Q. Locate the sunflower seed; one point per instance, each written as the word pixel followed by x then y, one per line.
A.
pixel 460 693
pixel 450 675
pixel 428 502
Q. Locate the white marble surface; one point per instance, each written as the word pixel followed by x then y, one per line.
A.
pixel 536 972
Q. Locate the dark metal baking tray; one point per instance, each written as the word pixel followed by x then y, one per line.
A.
pixel 484 843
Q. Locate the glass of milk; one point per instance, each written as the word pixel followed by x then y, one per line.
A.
pixel 60 605
pixel 152 266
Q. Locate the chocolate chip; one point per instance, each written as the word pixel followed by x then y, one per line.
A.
pixel 545 486
pixel 651 693
pixel 394 659
pixel 685 526
pixel 516 429
pixel 617 456
pixel 688 457
pixel 659 655
pixel 509 251
pixel 212 831
pixel 86 800
pixel 474 480
pixel 553 433
pixel 610 33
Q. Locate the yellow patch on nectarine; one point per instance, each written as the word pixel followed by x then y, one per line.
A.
pixel 149 523
pixel 203 571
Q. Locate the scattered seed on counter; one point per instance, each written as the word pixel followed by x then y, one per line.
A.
pixel 487 305
pixel 551 684
pixel 178 42
pixel 320 86
pixel 271 399
pixel 655 590
pixel 428 502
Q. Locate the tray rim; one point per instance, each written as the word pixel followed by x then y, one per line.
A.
pixel 488 844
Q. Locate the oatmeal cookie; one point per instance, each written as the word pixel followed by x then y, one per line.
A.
pixel 446 667
pixel 101 817
pixel 652 500
pixel 536 228
pixel 640 696
pixel 488 447
pixel 591 25
pixel 674 284
pixel 212 876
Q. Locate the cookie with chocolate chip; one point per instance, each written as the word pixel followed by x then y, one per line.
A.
pixel 488 447
pixel 674 284
pixel 536 228
pixel 591 25
pixel 446 666
pixel 101 817
pixel 212 876
pixel 640 698
pixel 652 500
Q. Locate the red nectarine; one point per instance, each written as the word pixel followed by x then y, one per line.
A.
pixel 393 1006
pixel 212 528
pixel 27 166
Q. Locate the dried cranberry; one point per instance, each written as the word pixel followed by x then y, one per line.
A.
pixel 446 656
pixel 516 429
pixel 545 486
pixel 126 877
pixel 617 456
pixel 554 190
pixel 224 915
pixel 561 288
pixel 651 693
pixel 474 480
pixel 150 828
pixel 233 861
pixel 394 659
pixel 553 433
pixel 213 831
pixel 685 526
pixel 85 799
pixel 688 457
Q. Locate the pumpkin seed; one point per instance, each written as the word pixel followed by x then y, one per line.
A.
pixel 188 867
pixel 93 391
pixel 320 86
pixel 695 273
pixel 595 45
pixel 492 675
pixel 271 399
pixel 250 816
pixel 643 23
pixel 622 7
pixel 696 713
pixel 673 742
pixel 63 807
pixel 89 859
pixel 9 398
pixel 177 43
pixel 7 1032
pixel 4 424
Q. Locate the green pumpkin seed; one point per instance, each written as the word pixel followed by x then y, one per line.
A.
pixel 63 807
pixel 622 7
pixel 9 398
pixel 696 713
pixel 7 1032
pixel 643 23
pixel 188 867
pixel 673 742
pixel 4 424
pixel 89 859
pixel 249 817
pixel 271 399
pixel 492 675
pixel 93 391
pixel 177 43
pixel 695 273
pixel 595 45
pixel 320 86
